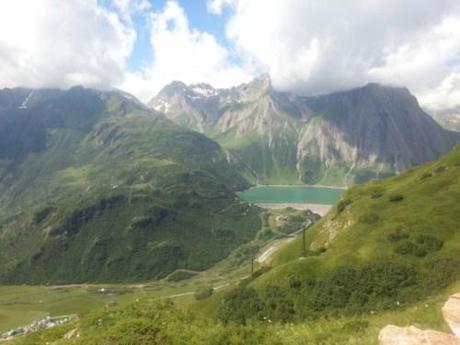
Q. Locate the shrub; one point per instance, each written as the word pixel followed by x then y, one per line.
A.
pixel 397 236
pixel 429 243
pixel 42 214
pixel 425 176
pixel 352 290
pixel 342 205
pixel 260 271
pixel 180 274
pixel 203 293
pixel 409 248
pixel 295 283
pixel 440 169
pixel 370 218
pixel 278 307
pixel 376 194
pixel 396 197
pixel 240 305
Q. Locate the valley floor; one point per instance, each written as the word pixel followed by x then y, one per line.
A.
pixel 21 305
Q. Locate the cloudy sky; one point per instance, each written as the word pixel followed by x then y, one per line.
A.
pixel 308 46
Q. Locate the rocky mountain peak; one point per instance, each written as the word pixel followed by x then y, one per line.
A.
pixel 173 88
pixel 203 90
pixel 264 81
pixel 339 138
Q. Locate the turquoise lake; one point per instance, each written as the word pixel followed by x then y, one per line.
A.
pixel 292 194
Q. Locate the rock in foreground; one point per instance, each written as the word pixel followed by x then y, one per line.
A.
pixel 393 335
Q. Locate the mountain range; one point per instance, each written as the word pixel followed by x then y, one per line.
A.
pixel 340 139
pixel 96 186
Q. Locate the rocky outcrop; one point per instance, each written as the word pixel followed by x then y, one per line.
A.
pixel 451 313
pixel 393 335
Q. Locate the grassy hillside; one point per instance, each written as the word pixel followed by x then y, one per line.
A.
pixel 110 191
pixel 150 321
pixel 386 253
pixel 384 245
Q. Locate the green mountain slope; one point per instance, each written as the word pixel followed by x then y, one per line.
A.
pixel 95 187
pixel 384 245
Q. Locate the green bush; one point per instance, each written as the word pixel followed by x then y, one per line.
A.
pixel 397 236
pixel 440 169
pixel 180 274
pixel 357 290
pixel 396 197
pixel 423 245
pixel 426 175
pixel 277 305
pixel 376 194
pixel 243 304
pixel 369 218
pixel 342 205
pixel 42 214
pixel 295 283
pixel 429 243
pixel 240 305
pixel 203 293
pixel 407 247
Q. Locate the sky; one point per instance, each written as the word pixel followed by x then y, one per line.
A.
pixel 308 47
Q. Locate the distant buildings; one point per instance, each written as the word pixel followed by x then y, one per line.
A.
pixel 47 322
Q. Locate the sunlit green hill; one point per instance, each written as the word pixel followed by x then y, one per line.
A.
pixel 383 246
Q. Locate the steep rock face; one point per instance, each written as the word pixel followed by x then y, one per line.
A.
pixel 341 138
pixel 383 123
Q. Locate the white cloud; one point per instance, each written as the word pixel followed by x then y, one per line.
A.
pixel 126 8
pixel 217 6
pixel 307 46
pixel 183 53
pixel 445 96
pixel 131 6
pixel 313 47
pixel 47 43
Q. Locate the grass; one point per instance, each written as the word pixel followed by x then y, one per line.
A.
pixel 152 322
pixel 384 244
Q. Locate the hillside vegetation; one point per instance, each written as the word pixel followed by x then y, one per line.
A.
pixel 384 245
pixel 95 187
pixel 386 253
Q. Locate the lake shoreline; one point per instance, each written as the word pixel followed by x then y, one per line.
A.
pixel 295 196
pixel 299 186
pixel 321 209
